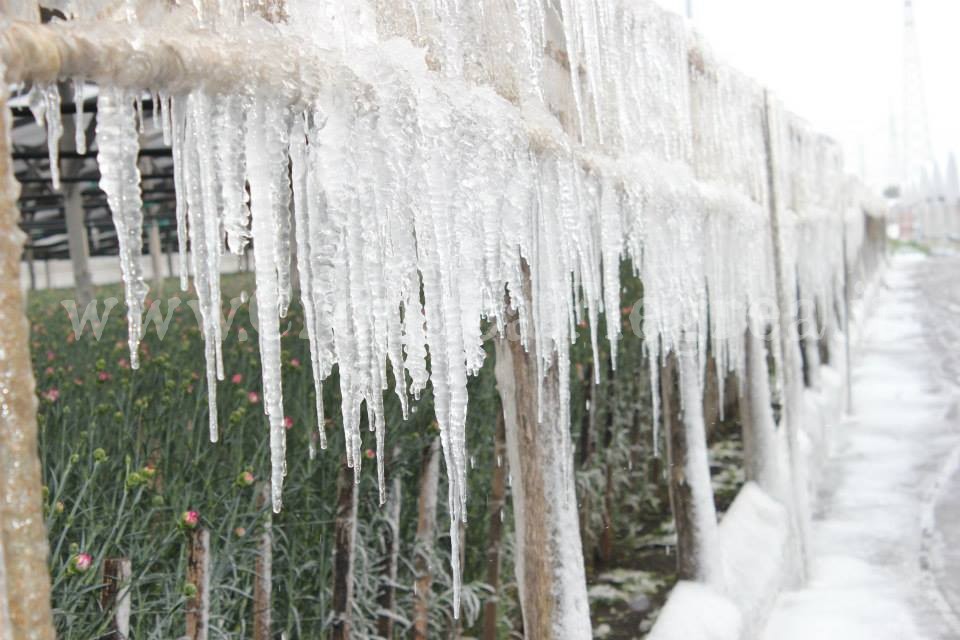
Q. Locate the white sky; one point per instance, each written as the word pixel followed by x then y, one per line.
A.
pixel 838 64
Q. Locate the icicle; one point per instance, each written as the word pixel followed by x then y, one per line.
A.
pixel 610 241
pixel 166 118
pixel 205 240
pixel 281 203
pixel 302 213
pixel 262 153
pixel 44 103
pixel 118 148
pixel 177 129
pixel 79 123
pixel 155 112
pixel 228 131
pixel 139 105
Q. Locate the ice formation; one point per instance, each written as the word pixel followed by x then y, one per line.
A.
pixel 425 159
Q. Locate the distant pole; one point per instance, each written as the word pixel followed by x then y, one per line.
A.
pixel 156 258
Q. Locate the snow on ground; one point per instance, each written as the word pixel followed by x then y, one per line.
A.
pixel 882 566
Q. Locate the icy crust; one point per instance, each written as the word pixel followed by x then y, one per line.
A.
pixel 418 186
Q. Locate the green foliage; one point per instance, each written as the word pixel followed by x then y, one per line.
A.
pixel 126 454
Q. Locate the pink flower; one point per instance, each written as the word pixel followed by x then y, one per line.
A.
pixel 103 376
pixel 370 454
pixel 81 563
pixel 48 371
pixel 190 519
pixel 236 379
pixel 295 363
pixel 51 395
pixel 253 397
pixel 287 422
pixel 51 356
pixel 123 363
pixel 78 382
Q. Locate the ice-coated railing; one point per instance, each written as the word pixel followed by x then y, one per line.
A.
pixel 561 135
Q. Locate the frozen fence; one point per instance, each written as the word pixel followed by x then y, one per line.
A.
pixel 499 157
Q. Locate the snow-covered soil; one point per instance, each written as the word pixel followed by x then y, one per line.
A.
pixel 885 561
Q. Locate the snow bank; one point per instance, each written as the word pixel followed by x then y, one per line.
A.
pixel 758 553
pixel 697 612
pixel 758 545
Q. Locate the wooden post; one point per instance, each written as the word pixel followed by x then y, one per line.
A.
pixel 424 540
pixel 25 550
pixel 263 570
pixel 498 494
pixel 789 347
pixel 756 416
pixel 345 532
pixel 848 377
pixel 198 574
pixel 691 494
pixel 6 628
pixel 809 334
pixel 388 578
pixel 548 550
pixel 588 445
pixel 115 597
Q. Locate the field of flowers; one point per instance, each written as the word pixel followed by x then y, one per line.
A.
pixel 129 470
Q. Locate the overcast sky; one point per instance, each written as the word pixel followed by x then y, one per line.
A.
pixel 838 64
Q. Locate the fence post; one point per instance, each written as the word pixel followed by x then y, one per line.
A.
pixel 345 533
pixel 423 546
pixel 198 574
pixel 756 416
pixel 26 551
pixel 387 597
pixel 789 345
pixel 263 572
pixel 691 494
pixel 549 554
pixel 115 597
pixel 498 493
pixel 846 321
